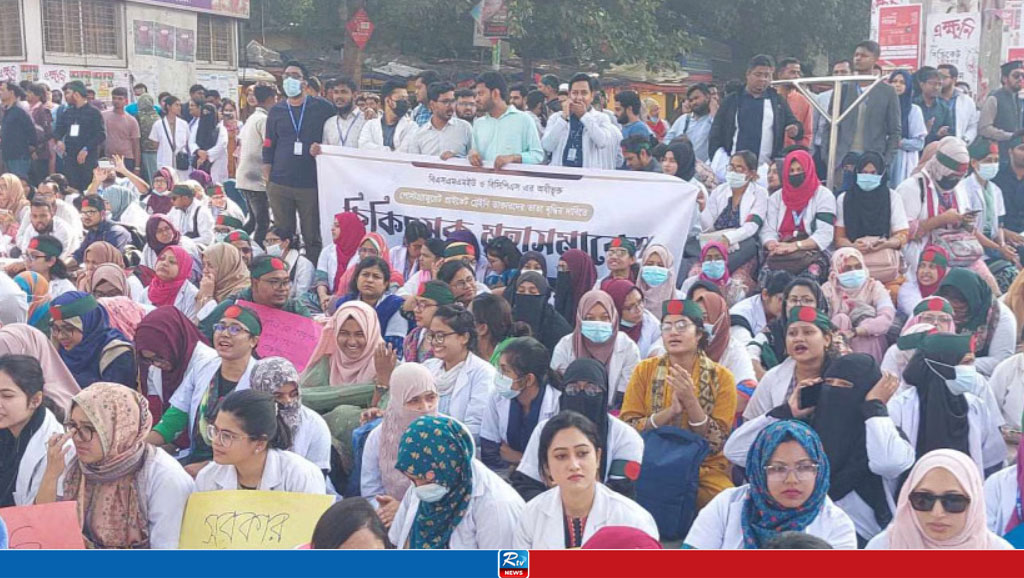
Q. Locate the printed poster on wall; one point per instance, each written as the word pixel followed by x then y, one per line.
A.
pixel 30 72
pixel 184 45
pixel 899 36
pixel 164 41
pixel 955 39
pixel 145 38
pixel 877 5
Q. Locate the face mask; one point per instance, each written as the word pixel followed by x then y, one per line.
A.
pixel 964 380
pixel 292 87
pixel 735 180
pixel 853 279
pixel 713 269
pixel 219 237
pixel 653 275
pixel 627 324
pixel 868 182
pixel 401 107
pixel 797 180
pixel 274 250
pixel 948 183
pixel 503 385
pixel 431 493
pixel 709 330
pixel 988 171
pixel 596 331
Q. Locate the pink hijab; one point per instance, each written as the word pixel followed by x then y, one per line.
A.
pixel 906 532
pixel 345 371
pixel 585 348
pixel 724 250
pixel 408 381
pixel 843 300
pixel 24 339
pixel 655 296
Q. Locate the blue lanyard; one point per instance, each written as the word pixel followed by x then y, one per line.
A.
pixel 337 121
pixel 302 115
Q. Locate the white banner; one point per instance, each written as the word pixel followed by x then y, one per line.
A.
pixel 955 39
pixel 546 209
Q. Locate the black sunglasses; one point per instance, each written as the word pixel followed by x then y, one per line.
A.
pixel 951 503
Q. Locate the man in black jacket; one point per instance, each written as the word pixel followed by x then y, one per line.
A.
pixel 79 134
pixel 17 133
pixel 745 116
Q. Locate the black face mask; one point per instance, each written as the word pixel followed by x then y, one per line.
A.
pixel 797 180
pixel 529 309
pixel 401 107
pixel 948 183
pixel 563 292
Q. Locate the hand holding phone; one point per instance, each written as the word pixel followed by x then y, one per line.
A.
pixel 810 395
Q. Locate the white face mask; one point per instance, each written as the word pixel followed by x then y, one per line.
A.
pixel 431 493
pixel 503 386
pixel 274 250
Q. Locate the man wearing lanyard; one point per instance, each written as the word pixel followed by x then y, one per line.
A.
pixel 343 128
pixel 293 127
pixel 79 133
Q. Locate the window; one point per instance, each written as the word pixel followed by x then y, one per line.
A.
pixel 10 29
pixel 215 40
pixel 82 27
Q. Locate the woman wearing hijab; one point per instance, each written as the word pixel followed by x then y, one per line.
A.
pixel 170 285
pixel 160 234
pixel 158 201
pixel 310 435
pixel 768 349
pixel 208 142
pixel 723 348
pixel 941 507
pixel 108 280
pixel 634 320
pixel 168 345
pixel 102 252
pixel 788 472
pixel 129 494
pixel 978 312
pixel 986 197
pixel 912 125
pixel 14 202
pixel 865 451
pixel 684 388
pixel 657 278
pixel 584 388
pixel 862 310
pixel 125 314
pixel 931 270
pixel 123 208
pixel 734 214
pixel 372 245
pixel 597 336
pixel 21 339
pixel 347 231
pixel 37 290
pixel 224 275
pixel 530 299
pixel 344 356
pixel 714 269
pixel 931 314
pixel 534 261
pixel 92 350
pixel 148 117
pixel 576 275
pixel 454 501
pixel 939 409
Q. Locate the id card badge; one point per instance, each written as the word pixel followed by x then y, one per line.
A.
pixel 571 155
pixel 74 130
pixel 297 150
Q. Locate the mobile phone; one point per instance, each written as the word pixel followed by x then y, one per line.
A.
pixel 809 395
pixel 972 213
pixel 106 165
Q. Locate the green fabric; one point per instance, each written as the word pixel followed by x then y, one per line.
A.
pixel 76 308
pixel 206 325
pixel 47 245
pixel 974 290
pixel 686 308
pixel 810 315
pixel 229 221
pixel 246 317
pixel 438 291
pixel 933 304
pixel 182 191
pixel 263 265
pixel 342 421
pixel 172 423
pixel 622 242
pixel 496 356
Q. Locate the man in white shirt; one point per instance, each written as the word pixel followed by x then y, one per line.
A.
pixel 443 135
pixel 43 222
pixel 191 217
pixel 344 128
pixel 388 131
pixel 62 210
pixel 249 173
pixel 965 112
pixel 580 136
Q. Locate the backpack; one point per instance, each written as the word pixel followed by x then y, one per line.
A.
pixel 667 486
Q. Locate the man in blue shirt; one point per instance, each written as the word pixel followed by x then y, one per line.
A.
pixel 695 125
pixel 421 114
pixel 503 135
pixel 627 112
pixel 97 228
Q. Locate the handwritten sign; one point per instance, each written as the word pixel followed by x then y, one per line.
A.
pixel 43 527
pixel 955 39
pixel 248 520
pixel 286 335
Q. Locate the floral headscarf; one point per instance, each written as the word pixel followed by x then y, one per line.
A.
pixel 270 375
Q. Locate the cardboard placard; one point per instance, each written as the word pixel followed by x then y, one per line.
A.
pixel 44 527
pixel 286 335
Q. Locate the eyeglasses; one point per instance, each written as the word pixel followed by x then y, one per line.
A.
pixel 89 213
pixel 223 437
pixel 462 285
pixel 936 318
pixel 422 306
pixel 62 329
pixel 680 326
pixel 951 503
pixel 634 307
pixel 83 433
pixel 277 283
pixel 583 388
pixel 438 337
pixel 34 256
pixel 617 253
pixel 155 360
pixel 802 301
pixel 803 472
pixel 232 330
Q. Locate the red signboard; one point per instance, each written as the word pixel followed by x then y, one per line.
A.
pixel 1014 53
pixel 899 36
pixel 360 28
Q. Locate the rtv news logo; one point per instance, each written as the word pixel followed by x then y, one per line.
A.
pixel 513 564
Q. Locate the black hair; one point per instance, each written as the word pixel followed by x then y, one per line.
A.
pixel 795 541
pixel 119 91
pixel 262 93
pixel 390 87
pixel 344 519
pixel 257 413
pixel 550 80
pixel 39 90
pixel 160 98
pixel 700 86
pixel 761 60
pixel 142 86
pixel 436 89
pixel 436 247
pixel 464 93
pixel 629 99
pixel 26 373
pixel 428 77
pixel 702 284
pixel 637 144
pixel 367 263
pixel 954 73
pixel 871 46
pixel 583 77
pixel 19 93
pixel 775 282
pixel 93 198
pixel 784 62
pixel 170 101
pixel 451 268
pixel 521 88
pixel 416 230
pixel 846 61
pixel 749 159
pixel 460 320
pixel 37 202
pixel 494 312
pixel 286 234
pixel 503 248
pixel 198 87
pixel 527 356
pixel 564 420
pixel 494 81
pixel 299 65
pixel 534 98
pixel 312 82
pixel 810 283
pixel 926 73
pixel 343 80
pixel 60 181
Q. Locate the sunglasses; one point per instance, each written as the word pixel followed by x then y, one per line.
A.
pixel 951 503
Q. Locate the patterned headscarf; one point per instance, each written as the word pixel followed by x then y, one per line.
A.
pixel 345 371
pixel 110 493
pixel 125 314
pixel 270 375
pixel 408 381
pixel 763 518
pixel 37 288
pixel 444 446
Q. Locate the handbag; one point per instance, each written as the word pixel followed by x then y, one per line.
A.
pixel 181 158
pixel 963 247
pixel 884 264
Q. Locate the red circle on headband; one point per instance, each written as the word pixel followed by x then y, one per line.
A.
pixel 807 314
pixel 675 308
pixel 233 312
pixel 935 305
pixel 277 264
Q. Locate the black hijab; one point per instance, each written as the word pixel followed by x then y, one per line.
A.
pixel 776 329
pixel 547 325
pixel 868 213
pixel 12 449
pixel 839 421
pixel 942 423
pixel 207 131
pixel 594 407
pixel 682 151
pixel 535 256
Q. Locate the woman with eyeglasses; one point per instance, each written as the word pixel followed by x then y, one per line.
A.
pixel 284 243
pixel 459 277
pixel 941 507
pixel 250 449
pixel 684 388
pixel 768 349
pixel 43 258
pixel 370 285
pixel 809 344
pixel 932 313
pixel 635 321
pixel 170 285
pixel 465 382
pixel 530 300
pixel 866 452
pixel 160 234
pixel 788 485
pixel 235 336
pixel 578 504
pixel 91 349
pixel 310 436
pixel 429 296
pixel 129 493
pixel 584 390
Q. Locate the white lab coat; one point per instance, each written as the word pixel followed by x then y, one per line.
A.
pixel 33 461
pixel 542 524
pixel 399 255
pixel 167 487
pixel 751 309
pixel 59 287
pixel 184 221
pixel 620 367
pixel 889 455
pixel 601 139
pixel 162 134
pixel 149 256
pixel 1001 498
pixel 313 439
pixel 753 203
pixel 1003 343
pixel 473 389
pixel 718 526
pixel 821 232
pixel 650 335
pixel 185 301
pixel 201 354
pixel 371 137
pixel 489 522
pixel 303 273
pixel 772 390
pixel 284 472
pixel 193 387
pixel 218 152
pixel 967 117
pixel 1007 386
pixel 495 424
pixel 371 483
pixel 624 443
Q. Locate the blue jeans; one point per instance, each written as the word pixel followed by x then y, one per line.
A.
pixel 18 167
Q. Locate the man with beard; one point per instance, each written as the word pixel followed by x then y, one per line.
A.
pixel 343 129
pixel 695 125
pixel 580 136
pixel 80 134
pixel 627 112
pixel 43 222
pixel 465 104
pixel 442 135
pixel 503 135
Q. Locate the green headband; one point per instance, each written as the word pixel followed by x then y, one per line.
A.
pixel 810 315
pixel 239 236
pixel 230 222
pixel 261 267
pixel 624 243
pixel 459 249
pixel 438 291
pixel 246 317
pixel 686 308
pixel 49 246
pixel 951 163
pixel 76 308
pixel 940 343
pixel 933 256
pixel 933 304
